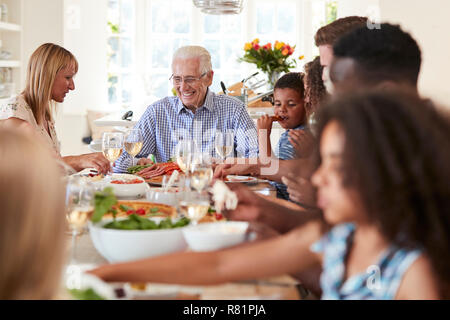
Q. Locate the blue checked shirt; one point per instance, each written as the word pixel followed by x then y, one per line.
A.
pixel 167 121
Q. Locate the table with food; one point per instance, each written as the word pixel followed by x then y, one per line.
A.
pixel 127 217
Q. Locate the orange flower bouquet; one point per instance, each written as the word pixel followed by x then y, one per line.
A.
pixel 271 61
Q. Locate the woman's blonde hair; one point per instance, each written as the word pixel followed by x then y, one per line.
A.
pixel 32 219
pixel 44 64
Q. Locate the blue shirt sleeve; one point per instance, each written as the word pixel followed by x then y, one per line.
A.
pixel 146 125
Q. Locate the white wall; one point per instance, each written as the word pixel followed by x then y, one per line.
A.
pixel 84 35
pixel 357 7
pixel 42 22
pixel 427 21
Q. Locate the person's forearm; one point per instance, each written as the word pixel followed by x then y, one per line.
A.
pixel 265 147
pixel 277 169
pixel 72 161
pixel 181 268
pixel 289 215
pixel 234 264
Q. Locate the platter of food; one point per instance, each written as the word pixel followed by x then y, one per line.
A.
pixel 241 179
pixel 142 208
pixel 154 173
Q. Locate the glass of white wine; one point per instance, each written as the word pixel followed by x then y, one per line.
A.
pixel 194 206
pixel 133 143
pixel 112 144
pixel 79 207
pixel 183 153
pixel 224 143
pixel 201 171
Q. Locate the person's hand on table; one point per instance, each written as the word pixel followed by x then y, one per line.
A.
pixel 144 161
pixel 235 168
pixel 250 204
pixel 220 170
pixel 300 189
pixel 94 160
pixel 303 142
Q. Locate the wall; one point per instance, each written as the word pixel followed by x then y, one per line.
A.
pixel 427 21
pixel 42 22
pixel 84 35
pixel 357 7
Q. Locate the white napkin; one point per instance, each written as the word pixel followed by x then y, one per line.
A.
pixel 223 197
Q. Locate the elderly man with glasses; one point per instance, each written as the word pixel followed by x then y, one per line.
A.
pixel 196 113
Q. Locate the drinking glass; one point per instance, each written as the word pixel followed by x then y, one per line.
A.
pixel 183 154
pixel 201 171
pixel 79 207
pixel 133 143
pixel 224 143
pixel 112 144
pixel 194 206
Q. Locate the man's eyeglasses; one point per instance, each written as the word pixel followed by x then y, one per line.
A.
pixel 188 80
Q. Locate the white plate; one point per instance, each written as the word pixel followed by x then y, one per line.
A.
pixel 241 179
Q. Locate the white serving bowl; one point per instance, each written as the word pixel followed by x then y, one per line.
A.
pixel 130 191
pixel 158 195
pixel 127 245
pixel 215 235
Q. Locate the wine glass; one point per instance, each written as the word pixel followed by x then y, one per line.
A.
pixel 133 143
pixel 201 171
pixel 79 207
pixel 112 144
pixel 224 143
pixel 194 206
pixel 183 154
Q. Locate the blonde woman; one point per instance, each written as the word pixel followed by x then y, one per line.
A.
pixel 49 78
pixel 32 220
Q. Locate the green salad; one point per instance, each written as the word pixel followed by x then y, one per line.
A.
pixel 86 294
pixel 137 168
pixel 135 222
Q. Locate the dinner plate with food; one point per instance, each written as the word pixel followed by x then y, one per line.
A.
pixel 240 179
pixel 90 175
pixel 154 173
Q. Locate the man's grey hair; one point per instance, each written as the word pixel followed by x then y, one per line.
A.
pixel 189 52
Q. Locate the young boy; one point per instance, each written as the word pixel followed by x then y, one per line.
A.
pixel 289 109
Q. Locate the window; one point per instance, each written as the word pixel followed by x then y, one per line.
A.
pixel 121 48
pixel 144 34
pixel 168 27
pixel 323 13
pixel 222 37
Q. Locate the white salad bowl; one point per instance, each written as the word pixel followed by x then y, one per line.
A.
pixel 127 245
pixel 130 191
pixel 215 235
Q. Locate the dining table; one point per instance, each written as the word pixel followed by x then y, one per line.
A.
pixel 283 287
